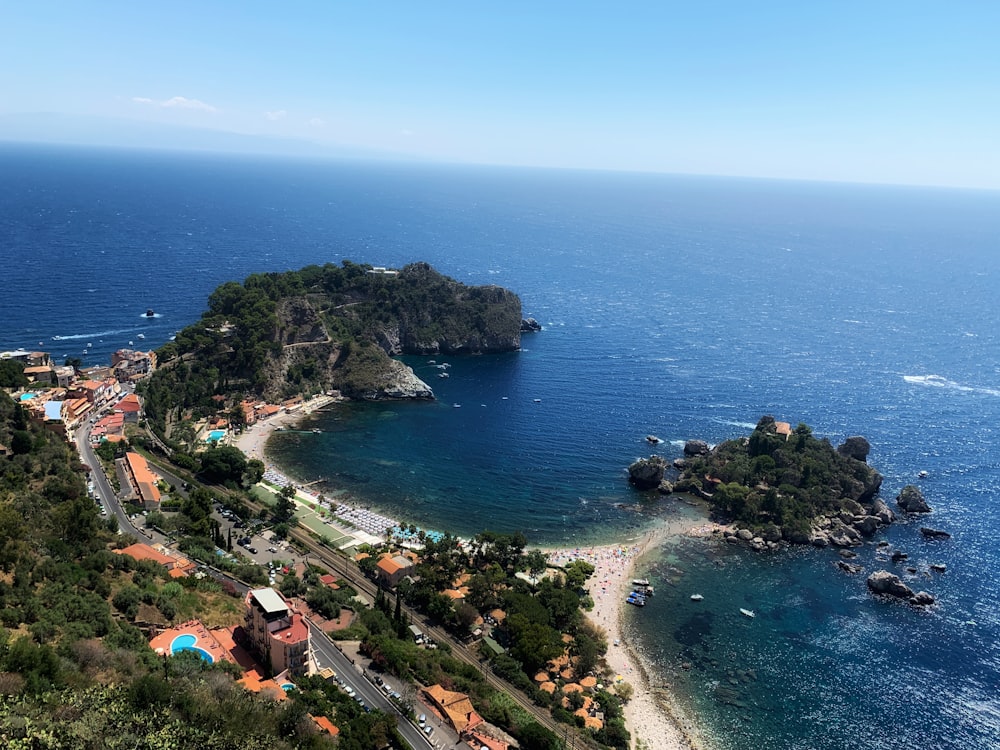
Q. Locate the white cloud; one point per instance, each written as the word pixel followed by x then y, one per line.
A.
pixel 185 103
pixel 317 122
pixel 276 115
pixel 177 102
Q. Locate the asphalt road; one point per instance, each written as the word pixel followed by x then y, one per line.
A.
pixel 325 654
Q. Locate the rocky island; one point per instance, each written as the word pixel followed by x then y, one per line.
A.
pixel 780 485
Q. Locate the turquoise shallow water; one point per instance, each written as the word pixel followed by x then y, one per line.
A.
pixel 682 307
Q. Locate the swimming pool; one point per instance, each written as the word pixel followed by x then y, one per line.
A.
pixel 27 396
pixel 186 643
pixel 215 436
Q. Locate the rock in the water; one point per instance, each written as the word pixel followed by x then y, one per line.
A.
pixel 696 448
pixel 922 599
pixel 882 512
pixel 888 584
pixel 745 535
pixel 849 568
pixel 855 447
pixel 530 325
pixel 939 567
pixel 647 473
pixel 898 556
pixel 911 500
pixel 930 533
pixel 866 525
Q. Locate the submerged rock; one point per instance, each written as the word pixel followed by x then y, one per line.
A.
pixel 930 533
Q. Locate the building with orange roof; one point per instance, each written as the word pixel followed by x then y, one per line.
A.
pixel 130 408
pixel 392 570
pixel 325 725
pixel 455 708
pixel 277 634
pixel 177 566
pixel 110 424
pixel 330 581
pixel 143 481
pixel 783 428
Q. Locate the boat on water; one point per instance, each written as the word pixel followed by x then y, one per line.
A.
pixel 922 475
pixel 747 613
pixel 696 597
pixel 653 440
pixel 443 375
pixel 640 581
pixel 317 430
pixel 142 335
pixel 150 313
pixel 644 590
pixel 636 600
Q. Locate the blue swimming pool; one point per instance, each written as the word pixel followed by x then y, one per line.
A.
pixel 187 642
pixel 27 396
pixel 216 435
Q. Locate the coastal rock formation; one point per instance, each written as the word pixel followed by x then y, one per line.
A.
pixel 888 584
pixel 884 583
pixel 911 500
pixel 530 325
pixel 849 568
pixel 400 382
pixel 696 448
pixel 930 533
pixel 855 447
pixel 647 473
pixel 882 512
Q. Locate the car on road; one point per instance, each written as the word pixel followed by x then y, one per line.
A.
pixel 252 550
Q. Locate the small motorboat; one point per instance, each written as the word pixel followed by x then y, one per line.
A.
pixel 653 440
pixel 150 313
pixel 922 475
pixel 696 597
pixel 747 613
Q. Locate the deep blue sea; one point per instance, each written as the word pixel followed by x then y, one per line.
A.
pixel 686 307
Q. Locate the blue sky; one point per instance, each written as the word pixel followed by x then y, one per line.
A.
pixel 876 91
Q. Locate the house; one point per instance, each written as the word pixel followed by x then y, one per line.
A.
pixel 784 429
pixel 130 408
pixel 392 570
pixel 40 373
pixel 110 425
pixel 132 365
pixel 275 632
pixel 177 566
pixel 455 708
pixel 325 725
pixel 143 481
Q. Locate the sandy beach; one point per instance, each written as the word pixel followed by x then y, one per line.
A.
pixel 253 439
pixel 653 717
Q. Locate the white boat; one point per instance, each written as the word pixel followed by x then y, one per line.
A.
pixel 696 597
pixel 142 335
pixel 640 581
pixel 922 475
pixel 747 613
